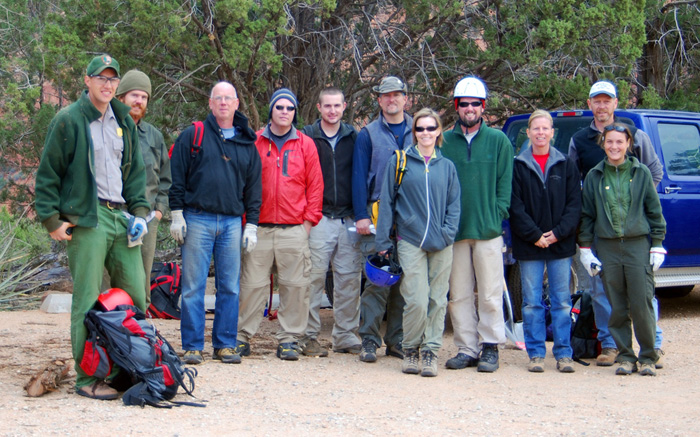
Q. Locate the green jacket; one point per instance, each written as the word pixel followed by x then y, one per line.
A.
pixel 644 215
pixel 65 181
pixel 485 171
pixel 157 162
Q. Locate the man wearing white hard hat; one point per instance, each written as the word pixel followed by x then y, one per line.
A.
pixel 586 152
pixel 483 157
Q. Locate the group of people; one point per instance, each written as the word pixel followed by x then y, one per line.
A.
pixel 298 202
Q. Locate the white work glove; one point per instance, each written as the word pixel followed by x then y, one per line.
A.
pixel 657 255
pixel 137 229
pixel 592 264
pixel 250 237
pixel 178 227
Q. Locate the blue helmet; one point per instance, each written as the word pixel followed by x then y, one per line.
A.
pixel 382 271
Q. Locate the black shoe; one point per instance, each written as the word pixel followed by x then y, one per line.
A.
pixel 287 352
pixel 394 351
pixel 242 348
pixel 354 349
pixel 461 361
pixel 369 351
pixel 489 358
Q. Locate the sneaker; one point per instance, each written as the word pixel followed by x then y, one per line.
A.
pixel 227 355
pixel 626 368
pixel 460 361
pixel 410 362
pixel 99 390
pixel 242 348
pixel 607 357
pixel 536 365
pixel 489 358
pixel 310 347
pixel 354 349
pixel 429 364
pixel 565 365
pixel 287 352
pixel 193 357
pixel 647 369
pixel 369 351
pixel 394 351
pixel 660 361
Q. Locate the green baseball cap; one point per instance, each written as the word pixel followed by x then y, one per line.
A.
pixel 101 63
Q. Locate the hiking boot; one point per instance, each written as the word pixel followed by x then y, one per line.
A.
pixel 489 358
pixel 607 357
pixel 310 347
pixel 394 351
pixel 242 348
pixel 368 354
pixel 287 352
pixel 536 365
pixel 193 357
pixel 227 355
pixel 660 361
pixel 647 369
pixel 565 365
pixel 460 361
pixel 626 368
pixel 429 364
pixel 410 362
pixel 99 390
pixel 354 349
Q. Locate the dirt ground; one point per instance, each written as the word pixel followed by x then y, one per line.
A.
pixel 339 395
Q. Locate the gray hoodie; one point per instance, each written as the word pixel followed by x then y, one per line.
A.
pixel 427 205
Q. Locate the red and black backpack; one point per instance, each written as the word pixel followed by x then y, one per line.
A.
pixel 165 292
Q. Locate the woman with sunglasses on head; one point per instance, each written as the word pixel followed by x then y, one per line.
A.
pixel 426 211
pixel 545 208
pixel 622 213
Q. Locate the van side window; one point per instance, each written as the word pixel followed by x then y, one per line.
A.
pixel 680 144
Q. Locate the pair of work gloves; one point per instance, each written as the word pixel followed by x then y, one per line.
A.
pixel 178 230
pixel 593 266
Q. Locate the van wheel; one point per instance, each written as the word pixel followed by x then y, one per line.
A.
pixel 674 292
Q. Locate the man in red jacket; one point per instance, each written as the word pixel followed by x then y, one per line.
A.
pixel 291 204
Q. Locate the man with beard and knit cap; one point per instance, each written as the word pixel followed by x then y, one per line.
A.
pixel 212 189
pixel 292 197
pixel 134 90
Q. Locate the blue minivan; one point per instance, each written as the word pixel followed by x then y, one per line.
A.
pixel 676 139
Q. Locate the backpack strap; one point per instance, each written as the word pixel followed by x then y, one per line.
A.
pixel 197 138
pixel 400 166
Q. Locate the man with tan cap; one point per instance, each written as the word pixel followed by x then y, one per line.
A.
pixel 374 146
pixel 587 153
pixel 135 91
pixel 91 173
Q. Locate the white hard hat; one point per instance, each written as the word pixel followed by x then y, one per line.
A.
pixel 470 86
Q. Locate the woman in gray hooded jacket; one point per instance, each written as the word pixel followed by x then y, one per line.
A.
pixel 425 210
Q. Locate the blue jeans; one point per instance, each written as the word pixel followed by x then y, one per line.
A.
pixel 531 276
pixel 219 235
pixel 601 310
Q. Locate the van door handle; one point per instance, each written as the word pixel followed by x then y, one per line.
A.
pixel 670 190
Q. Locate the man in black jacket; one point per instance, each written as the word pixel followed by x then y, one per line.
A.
pixel 212 188
pixel 330 239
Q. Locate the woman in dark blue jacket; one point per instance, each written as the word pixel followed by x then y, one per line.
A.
pixel 544 212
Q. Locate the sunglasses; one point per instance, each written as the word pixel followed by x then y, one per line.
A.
pixel 282 108
pixel 103 80
pixel 468 104
pixel 428 128
pixel 615 128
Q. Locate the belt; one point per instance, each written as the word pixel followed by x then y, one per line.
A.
pixel 275 225
pixel 111 205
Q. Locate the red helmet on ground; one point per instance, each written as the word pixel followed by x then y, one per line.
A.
pixel 113 297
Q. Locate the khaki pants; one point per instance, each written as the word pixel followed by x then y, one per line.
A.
pixel 477 264
pixel 287 249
